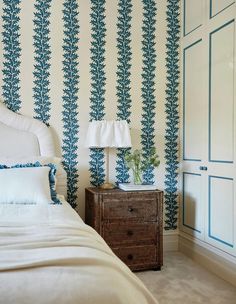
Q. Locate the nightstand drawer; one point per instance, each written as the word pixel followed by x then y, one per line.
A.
pixel 137 255
pixel 130 234
pixel 125 207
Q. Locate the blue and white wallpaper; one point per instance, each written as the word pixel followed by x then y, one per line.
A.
pixel 123 73
pixel 70 98
pixel 172 114
pixel 98 82
pixel 67 62
pixel 10 66
pixel 148 83
pixel 42 55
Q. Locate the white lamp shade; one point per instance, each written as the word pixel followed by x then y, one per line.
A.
pixel 113 133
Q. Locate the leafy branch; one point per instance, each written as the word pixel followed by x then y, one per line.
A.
pixel 139 163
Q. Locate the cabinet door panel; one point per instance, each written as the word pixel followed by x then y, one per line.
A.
pixel 192 15
pixel 221 211
pixel 217 6
pixel 221 103
pixel 192 203
pixel 193 102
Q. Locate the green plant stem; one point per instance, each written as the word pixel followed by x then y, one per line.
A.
pixel 137 176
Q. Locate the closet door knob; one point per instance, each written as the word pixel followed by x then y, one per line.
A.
pixel 203 168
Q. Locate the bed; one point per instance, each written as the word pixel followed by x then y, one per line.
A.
pixel 47 253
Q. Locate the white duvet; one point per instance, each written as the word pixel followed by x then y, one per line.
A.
pixel 48 255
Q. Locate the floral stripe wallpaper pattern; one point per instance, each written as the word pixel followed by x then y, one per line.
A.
pixel 70 97
pixel 42 60
pixel 123 79
pixel 148 84
pixel 172 114
pixel 98 85
pixel 60 29
pixel 11 54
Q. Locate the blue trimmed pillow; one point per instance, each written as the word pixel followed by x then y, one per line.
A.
pixel 61 177
pixel 51 177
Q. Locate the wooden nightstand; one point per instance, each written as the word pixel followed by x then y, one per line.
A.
pixel 130 223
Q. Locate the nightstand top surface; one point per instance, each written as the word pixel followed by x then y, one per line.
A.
pixel 97 190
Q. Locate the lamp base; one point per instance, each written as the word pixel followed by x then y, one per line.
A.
pixel 107 186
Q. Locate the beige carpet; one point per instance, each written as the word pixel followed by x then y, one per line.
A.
pixel 182 281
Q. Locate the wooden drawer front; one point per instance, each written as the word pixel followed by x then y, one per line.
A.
pixel 137 255
pixel 125 207
pixel 130 234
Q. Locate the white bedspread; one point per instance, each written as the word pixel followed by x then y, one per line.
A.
pixel 48 255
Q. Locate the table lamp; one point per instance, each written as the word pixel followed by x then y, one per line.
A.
pixel 108 134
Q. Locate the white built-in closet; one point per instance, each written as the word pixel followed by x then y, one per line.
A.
pixel 208 123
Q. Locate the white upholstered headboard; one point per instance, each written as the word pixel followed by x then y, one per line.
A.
pixel 23 136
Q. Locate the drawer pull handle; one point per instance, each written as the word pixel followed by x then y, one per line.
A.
pixel 130 257
pixel 203 168
pixel 130 209
pixel 130 232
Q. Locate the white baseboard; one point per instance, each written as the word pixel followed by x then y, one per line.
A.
pixel 170 240
pixel 215 260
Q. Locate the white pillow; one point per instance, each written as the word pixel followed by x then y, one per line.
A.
pixel 25 185
pixel 61 176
